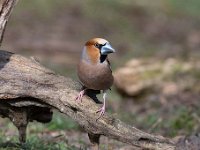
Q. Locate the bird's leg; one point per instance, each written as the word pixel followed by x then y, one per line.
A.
pixel 102 109
pixel 80 95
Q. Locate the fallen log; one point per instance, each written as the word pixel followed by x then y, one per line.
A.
pixel 25 80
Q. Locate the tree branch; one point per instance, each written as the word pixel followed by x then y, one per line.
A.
pixel 25 78
pixel 6 7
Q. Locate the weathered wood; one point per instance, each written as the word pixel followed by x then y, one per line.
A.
pixel 94 139
pixel 21 115
pixel 25 78
pixel 6 7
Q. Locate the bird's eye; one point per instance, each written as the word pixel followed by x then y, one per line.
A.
pixel 96 45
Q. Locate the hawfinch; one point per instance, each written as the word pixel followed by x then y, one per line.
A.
pixel 94 69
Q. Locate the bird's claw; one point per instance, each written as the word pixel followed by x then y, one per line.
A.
pixel 102 112
pixel 80 96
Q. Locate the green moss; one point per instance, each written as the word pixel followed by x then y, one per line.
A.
pixel 62 122
pixel 151 119
pixel 182 121
pixel 36 143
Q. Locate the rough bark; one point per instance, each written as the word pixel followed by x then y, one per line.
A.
pixel 22 111
pixel 25 78
pixel 6 7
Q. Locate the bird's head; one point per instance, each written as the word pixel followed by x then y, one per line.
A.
pixel 96 50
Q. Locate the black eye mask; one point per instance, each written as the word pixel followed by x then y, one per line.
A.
pixel 99 46
pixel 102 57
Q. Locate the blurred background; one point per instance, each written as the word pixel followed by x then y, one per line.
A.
pixel 156 66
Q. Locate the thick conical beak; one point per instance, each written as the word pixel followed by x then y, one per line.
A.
pixel 107 49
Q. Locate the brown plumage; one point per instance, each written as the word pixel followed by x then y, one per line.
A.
pixel 94 69
pixel 95 76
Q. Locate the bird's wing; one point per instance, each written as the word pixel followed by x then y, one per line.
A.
pixel 109 65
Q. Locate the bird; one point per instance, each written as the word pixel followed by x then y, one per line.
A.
pixel 94 70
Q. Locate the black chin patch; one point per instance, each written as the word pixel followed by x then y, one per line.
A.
pixel 103 58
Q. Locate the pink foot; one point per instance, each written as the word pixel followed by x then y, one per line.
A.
pixel 80 96
pixel 102 111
